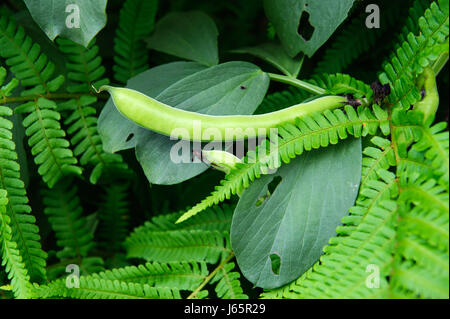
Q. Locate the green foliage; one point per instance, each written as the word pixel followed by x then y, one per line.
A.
pixel 355 39
pixel 271 221
pixel 228 285
pixel 398 217
pixel 415 54
pixel 82 22
pixel 82 126
pixel 47 140
pixel 285 16
pixel 72 232
pixel 181 245
pixel 274 54
pixel 113 217
pixel 95 210
pixel 136 22
pixel 188 35
pixel 282 99
pixel 20 241
pixel 64 211
pixel 94 288
pixel 312 132
pixel 25 60
pixel 86 72
pixel 84 66
pixel 174 275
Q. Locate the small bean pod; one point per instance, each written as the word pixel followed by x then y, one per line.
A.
pixel 221 160
pixel 167 120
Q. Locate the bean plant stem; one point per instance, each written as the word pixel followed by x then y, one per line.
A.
pixel 439 64
pixel 297 83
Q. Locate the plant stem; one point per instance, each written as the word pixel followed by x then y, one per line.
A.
pixel 210 276
pixel 297 83
pixel 439 64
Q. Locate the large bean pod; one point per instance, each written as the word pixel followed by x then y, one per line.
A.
pixel 171 121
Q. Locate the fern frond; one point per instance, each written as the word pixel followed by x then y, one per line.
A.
pixel 422 264
pixel 35 72
pixel 380 156
pixel 420 282
pixel 136 21
pixel 178 275
pixel 356 39
pixel 95 288
pixel 25 60
pixel 180 245
pixel 428 147
pixel 415 54
pixel 85 72
pixel 113 216
pixel 426 192
pixel 214 218
pixel 10 255
pixel 64 211
pixel 228 285
pixel 415 12
pixel 87 266
pixel 312 132
pixel 413 248
pixel 429 224
pixel 82 124
pixel 47 140
pixel 84 66
pixel 342 84
pixel 19 235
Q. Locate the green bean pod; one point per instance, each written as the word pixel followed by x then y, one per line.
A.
pixel 167 120
pixel 430 102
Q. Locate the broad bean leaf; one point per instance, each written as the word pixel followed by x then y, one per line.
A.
pixel 225 89
pixel 275 54
pixel 324 16
pixel 189 35
pixel 295 222
pixel 78 20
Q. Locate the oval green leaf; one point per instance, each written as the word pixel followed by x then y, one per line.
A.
pixel 323 16
pixel 275 54
pixel 77 20
pixel 187 35
pixel 278 237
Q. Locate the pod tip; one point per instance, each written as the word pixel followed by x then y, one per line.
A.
pixel 101 88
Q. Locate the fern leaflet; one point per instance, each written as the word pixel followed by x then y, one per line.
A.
pixel 227 282
pixel 135 23
pixel 113 216
pixel 47 140
pixel 19 235
pixel 95 288
pixel 178 275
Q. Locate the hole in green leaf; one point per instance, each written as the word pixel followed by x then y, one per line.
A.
pixel 129 137
pixel 305 29
pixel 274 184
pixel 276 263
pixel 270 190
